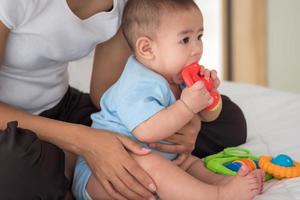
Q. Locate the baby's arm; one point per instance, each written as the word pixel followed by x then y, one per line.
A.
pixel 164 123
pixel 171 119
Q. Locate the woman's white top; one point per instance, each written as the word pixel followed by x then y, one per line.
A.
pixel 45 35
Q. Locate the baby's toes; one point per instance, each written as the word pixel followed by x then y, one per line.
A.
pixel 254 185
pixel 251 192
pixel 254 192
pixel 260 178
pixel 244 170
pixel 252 176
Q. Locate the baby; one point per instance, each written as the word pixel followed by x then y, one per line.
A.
pixel 148 105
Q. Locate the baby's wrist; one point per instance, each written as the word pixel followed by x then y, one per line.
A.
pixel 187 106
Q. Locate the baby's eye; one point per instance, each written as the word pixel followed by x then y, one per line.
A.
pixel 185 40
pixel 200 36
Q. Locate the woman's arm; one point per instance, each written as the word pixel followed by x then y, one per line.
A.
pixel 4 31
pixel 109 61
pixel 164 123
pixel 97 147
pixel 38 124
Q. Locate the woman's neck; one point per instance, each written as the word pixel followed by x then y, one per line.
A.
pixel 87 8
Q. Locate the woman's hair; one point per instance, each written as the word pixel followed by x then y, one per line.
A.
pixel 142 17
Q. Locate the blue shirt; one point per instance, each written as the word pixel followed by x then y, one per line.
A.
pixel 138 95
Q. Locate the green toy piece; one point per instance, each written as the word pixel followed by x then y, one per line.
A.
pixel 216 162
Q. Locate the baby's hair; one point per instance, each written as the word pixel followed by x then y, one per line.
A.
pixel 141 17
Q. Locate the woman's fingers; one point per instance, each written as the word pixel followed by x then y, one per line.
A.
pixel 129 192
pixel 120 184
pixel 135 173
pixel 111 163
pixel 133 146
pixel 180 159
pixel 183 141
pixel 111 191
pixel 142 183
pixel 170 148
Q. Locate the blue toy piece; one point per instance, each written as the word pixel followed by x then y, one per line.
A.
pixel 256 163
pixel 234 166
pixel 283 160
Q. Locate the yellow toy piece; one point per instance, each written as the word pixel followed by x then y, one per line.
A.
pixel 277 171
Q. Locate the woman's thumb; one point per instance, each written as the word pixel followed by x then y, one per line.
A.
pixel 133 146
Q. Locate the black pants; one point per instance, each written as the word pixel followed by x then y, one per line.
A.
pixel 33 169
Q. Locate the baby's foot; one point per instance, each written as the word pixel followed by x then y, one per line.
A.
pixel 224 180
pixel 244 186
pixel 227 178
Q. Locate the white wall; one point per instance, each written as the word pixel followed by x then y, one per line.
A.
pixel 284 44
pixel 212 40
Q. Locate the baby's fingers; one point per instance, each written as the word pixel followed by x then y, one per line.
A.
pixel 207 73
pixel 198 85
pixel 214 74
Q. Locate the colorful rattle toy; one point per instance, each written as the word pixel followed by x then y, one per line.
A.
pixel 192 74
pixel 229 161
pixel 282 166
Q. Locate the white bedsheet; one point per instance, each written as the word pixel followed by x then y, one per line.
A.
pixel 273 121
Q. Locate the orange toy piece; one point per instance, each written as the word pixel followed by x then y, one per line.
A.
pixel 279 172
pixel 249 163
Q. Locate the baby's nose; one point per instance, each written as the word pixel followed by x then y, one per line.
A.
pixel 197 49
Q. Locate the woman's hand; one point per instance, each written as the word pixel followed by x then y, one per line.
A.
pixel 183 141
pixel 119 174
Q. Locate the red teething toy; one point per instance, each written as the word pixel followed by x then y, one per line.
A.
pixel 192 74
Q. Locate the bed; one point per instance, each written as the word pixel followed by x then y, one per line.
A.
pixel 273 121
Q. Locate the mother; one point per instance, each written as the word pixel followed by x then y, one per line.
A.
pixel 37 40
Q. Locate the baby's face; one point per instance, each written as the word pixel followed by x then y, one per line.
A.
pixel 178 42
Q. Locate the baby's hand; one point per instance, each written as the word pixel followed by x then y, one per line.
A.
pixel 211 74
pixel 196 97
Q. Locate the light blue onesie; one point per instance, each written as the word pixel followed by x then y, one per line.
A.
pixel 138 95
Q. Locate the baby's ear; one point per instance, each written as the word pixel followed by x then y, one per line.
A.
pixel 144 47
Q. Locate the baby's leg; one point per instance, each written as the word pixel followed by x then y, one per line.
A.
pixel 172 182
pixel 96 190
pixel 195 167
pixel 245 183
